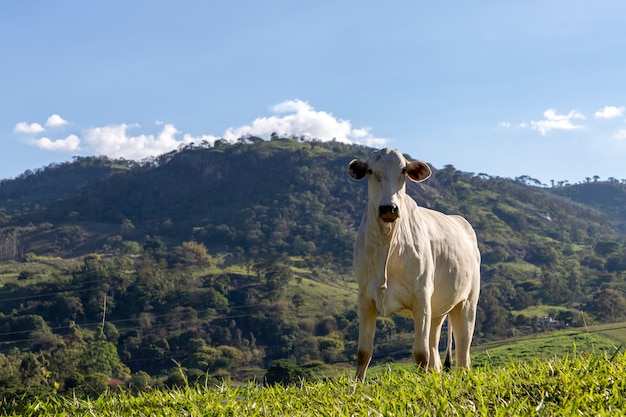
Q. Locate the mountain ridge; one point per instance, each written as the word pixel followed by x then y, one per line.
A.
pixel 195 188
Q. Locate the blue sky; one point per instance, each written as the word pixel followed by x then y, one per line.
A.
pixel 533 88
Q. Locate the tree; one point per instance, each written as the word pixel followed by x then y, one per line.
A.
pixel 140 382
pixel 127 228
pixel 492 319
pixel 101 357
pixel 326 326
pixel 153 245
pixel 130 247
pixel 24 275
pixel 385 328
pixel 43 340
pixel 616 262
pixel 297 300
pixel 331 348
pixel 192 253
pixel 276 275
pixel 95 384
pixel 553 287
pixel 9 370
pixel 210 359
pixel 285 371
pixel 608 305
pixel 607 247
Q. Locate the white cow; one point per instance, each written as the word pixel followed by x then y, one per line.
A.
pixel 414 262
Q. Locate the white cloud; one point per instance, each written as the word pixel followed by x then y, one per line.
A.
pixel 115 142
pixel 291 106
pixel 69 144
pixel 292 117
pixel 55 121
pixel 505 124
pixel 24 127
pixel 557 121
pixel 299 118
pixel 609 112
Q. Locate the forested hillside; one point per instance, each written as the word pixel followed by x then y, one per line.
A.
pixel 221 260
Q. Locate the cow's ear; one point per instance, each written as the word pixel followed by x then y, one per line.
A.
pixel 357 169
pixel 418 171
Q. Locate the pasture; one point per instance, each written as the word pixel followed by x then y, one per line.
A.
pixel 557 373
pixel 577 384
pixel 544 347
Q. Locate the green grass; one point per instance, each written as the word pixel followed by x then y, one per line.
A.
pixel 519 271
pixel 545 346
pixel 42 270
pixel 572 385
pixel 322 298
pixel 322 293
pixel 616 331
pixel 541 310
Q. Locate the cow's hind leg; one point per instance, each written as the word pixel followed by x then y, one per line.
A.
pixel 367 330
pixel 447 364
pixel 461 320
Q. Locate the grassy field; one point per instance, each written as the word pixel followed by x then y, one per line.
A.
pixel 566 372
pixel 546 346
pixel 616 331
pixel 331 298
pixel 540 311
pixel 551 374
pixel 573 385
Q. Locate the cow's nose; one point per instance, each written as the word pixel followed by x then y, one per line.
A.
pixel 388 213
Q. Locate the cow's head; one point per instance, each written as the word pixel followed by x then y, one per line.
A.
pixel 387 171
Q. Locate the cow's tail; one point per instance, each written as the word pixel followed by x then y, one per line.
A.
pixel 447 363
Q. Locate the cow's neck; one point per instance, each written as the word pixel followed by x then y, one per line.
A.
pixel 382 239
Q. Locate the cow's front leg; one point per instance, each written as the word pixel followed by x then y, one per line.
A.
pixel 367 330
pixel 435 334
pixel 421 318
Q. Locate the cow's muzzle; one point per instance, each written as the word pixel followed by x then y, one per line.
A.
pixel 388 214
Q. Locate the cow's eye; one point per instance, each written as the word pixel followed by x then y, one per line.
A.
pixel 369 171
pixel 404 171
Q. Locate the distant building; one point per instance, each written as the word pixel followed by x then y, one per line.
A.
pixel 550 322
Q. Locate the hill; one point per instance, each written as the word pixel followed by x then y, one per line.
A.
pixel 608 197
pixel 251 196
pixel 227 258
pixel 39 188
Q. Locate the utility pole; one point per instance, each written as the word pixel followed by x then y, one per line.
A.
pixel 104 314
